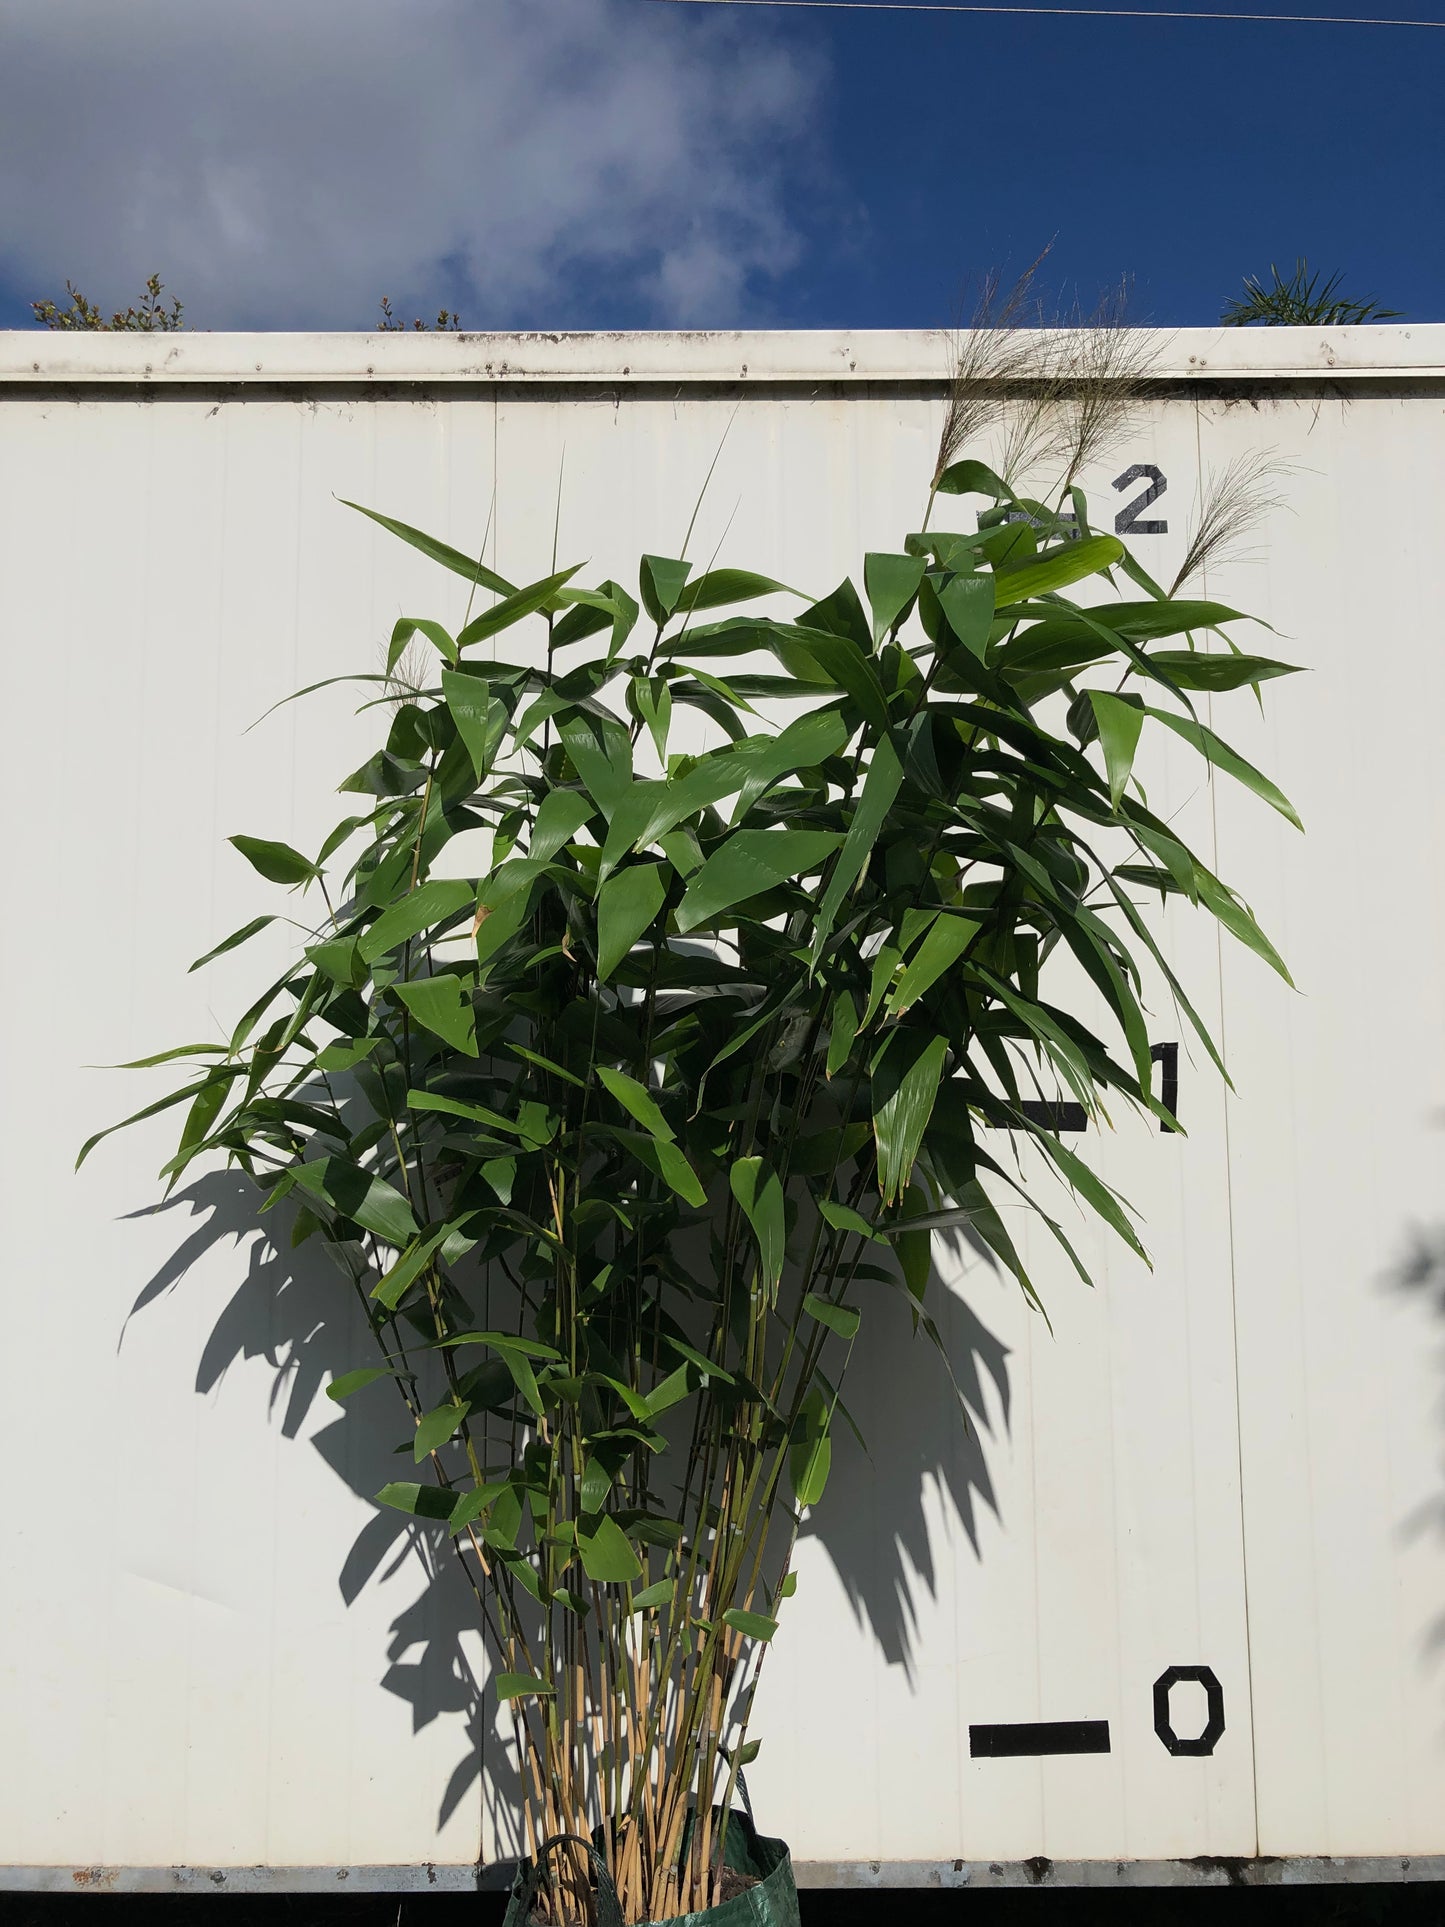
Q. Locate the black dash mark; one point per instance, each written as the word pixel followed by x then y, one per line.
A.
pixel 1029 1738
pixel 1055 1117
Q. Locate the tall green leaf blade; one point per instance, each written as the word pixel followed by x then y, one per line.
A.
pixel 359 1195
pixel 1193 669
pixel 947 939
pixel 1056 568
pixel 1239 921
pixel 436 1428
pixel 626 905
pixel 236 938
pixel 512 608
pixel 1093 1190
pixel 512 1686
pixel 905 1078
pixel 408 626
pixel 757 1188
pixel 665 1160
pixel 880 788
pixel 721 586
pixel 421 1501
pixel 465 566
pixel 1230 761
pixel 967 602
pixel 891 582
pixel 607 1556
pixel 1119 724
pixel 481 718
pixel 561 815
pixel 441 1005
pixel 747 864
pixel 662 581
pixel 430 903
pixel 277 862
pixel 636 1099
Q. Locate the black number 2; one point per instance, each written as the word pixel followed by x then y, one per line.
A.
pixel 1127 522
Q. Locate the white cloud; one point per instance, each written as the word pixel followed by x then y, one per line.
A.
pixel 283 163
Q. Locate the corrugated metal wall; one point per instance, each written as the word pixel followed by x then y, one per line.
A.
pixel 217 1653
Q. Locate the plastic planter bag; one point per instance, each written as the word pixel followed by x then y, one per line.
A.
pixel 772 1901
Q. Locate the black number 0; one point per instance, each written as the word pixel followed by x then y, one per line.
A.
pixel 1127 522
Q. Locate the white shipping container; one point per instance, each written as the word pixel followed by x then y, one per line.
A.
pixel 1209 1508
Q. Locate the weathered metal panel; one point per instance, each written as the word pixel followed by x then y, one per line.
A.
pixel 218 1656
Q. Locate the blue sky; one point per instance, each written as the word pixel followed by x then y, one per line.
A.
pixel 618 163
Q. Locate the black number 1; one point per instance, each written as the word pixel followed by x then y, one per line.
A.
pixel 1127 522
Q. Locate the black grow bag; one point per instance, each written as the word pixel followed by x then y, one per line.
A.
pixel 772 1901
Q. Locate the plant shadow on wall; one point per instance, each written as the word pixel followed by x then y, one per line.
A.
pixel 619 1138
pixel 293 1311
pixel 1420 1275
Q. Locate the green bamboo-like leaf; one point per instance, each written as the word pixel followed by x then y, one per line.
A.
pixel 601 749
pixel 561 815
pixel 652 1597
pixel 905 1083
pixel 810 1456
pixel 513 1686
pixel 666 1160
pixel 526 1128
pixel 1239 921
pixel 967 602
pixel 947 938
pixel 891 582
pixel 422 1501
pixel 367 1200
pixel 606 1555
pixel 436 1428
pixel 480 716
pixel 237 937
pixel 747 864
pixel 1056 569
pixel 880 787
pixel 187 1092
pixel 759 1191
pixel 512 608
pixel 751 1625
pixel 470 569
pixel 842 1319
pixel 277 862
pixel 1119 723
pixel 442 1006
pixel 971 478
pixel 637 1099
pixel 165 1057
pixel 650 699
pixel 429 904
pixel 626 905
pixel 843 1217
pixel 721 586
pixel 842 1029
pixel 408 626
pixel 1230 761
pixel 843 663
pixel 398 1279
pixel 1093 1190
pixel 1193 669
pixel 662 583
pixel 342 1388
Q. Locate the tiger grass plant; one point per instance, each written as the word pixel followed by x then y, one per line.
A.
pixel 622 1141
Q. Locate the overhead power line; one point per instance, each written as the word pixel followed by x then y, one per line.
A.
pixel 1080 13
